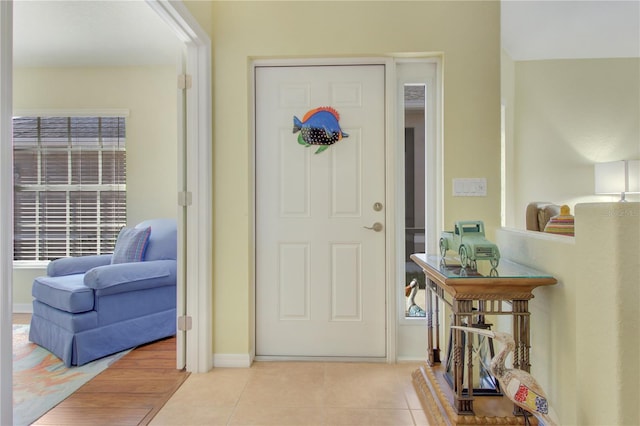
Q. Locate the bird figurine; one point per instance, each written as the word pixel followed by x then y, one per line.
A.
pixel 410 291
pixel 518 385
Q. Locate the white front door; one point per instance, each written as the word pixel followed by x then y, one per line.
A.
pixel 320 274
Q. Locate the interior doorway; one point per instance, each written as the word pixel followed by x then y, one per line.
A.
pixel 198 217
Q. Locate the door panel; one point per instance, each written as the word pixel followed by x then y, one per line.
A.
pixel 320 274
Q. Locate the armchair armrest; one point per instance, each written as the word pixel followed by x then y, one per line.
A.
pixel 76 265
pixel 123 277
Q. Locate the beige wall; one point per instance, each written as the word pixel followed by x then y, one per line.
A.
pixel 562 117
pixel 150 95
pixel 466 33
pixel 584 337
pixel 507 92
pixel 553 313
pixel 608 271
pixel 568 115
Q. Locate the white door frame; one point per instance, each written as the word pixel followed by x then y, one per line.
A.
pixel 6 213
pixel 422 70
pixel 199 215
pixel 390 236
pixel 199 184
pixel 392 168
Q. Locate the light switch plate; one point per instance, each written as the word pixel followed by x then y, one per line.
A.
pixel 470 187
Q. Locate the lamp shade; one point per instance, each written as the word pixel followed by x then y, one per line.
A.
pixel 610 177
pixel 618 177
pixel 633 177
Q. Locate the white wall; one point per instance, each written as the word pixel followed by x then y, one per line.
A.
pixel 568 115
pixel 150 95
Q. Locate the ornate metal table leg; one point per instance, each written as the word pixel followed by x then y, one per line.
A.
pixel 436 326
pixel 521 335
pixel 431 354
pixel 463 401
pixel 520 311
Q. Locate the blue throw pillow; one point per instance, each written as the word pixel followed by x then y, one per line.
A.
pixel 131 245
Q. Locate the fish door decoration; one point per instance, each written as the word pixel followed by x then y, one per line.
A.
pixel 319 126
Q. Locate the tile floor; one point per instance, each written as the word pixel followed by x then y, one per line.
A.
pixel 296 394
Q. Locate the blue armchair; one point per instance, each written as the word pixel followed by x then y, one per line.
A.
pixel 92 306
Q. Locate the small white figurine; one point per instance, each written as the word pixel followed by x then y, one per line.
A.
pixel 410 291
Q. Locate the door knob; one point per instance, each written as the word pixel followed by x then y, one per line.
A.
pixel 376 227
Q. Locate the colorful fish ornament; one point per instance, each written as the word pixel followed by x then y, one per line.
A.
pixel 319 127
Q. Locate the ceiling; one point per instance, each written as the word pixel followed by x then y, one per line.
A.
pixel 110 32
pixel 534 30
pixel 91 33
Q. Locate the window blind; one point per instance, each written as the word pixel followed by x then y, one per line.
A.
pixel 69 185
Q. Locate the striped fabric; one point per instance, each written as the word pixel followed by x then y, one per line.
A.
pixel 131 245
pixel 562 224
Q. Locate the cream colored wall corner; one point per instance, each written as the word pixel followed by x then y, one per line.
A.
pixel 22 280
pixel 607 312
pixel 553 313
pixel 585 342
pixel 150 95
pixel 570 114
pixel 202 12
pixel 467 33
pixel 508 102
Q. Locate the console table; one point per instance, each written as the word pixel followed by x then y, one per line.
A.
pixel 472 294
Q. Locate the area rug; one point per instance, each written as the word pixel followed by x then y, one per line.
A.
pixel 41 380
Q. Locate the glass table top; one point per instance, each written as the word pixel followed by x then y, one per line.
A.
pixel 450 267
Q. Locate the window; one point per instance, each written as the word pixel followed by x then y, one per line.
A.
pixel 69 186
pixel 419 118
pixel 414 192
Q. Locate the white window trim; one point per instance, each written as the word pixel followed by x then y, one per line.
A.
pixel 106 112
pixel 30 264
pixel 432 78
pixel 6 219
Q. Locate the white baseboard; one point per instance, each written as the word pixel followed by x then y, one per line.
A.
pixel 410 358
pixel 232 360
pixel 22 308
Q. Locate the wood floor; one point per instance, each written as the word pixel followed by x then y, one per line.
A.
pixel 130 392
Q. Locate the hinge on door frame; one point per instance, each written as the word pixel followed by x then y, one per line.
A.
pixel 185 323
pixel 184 198
pixel 184 81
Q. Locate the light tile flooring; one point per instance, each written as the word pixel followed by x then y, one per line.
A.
pixel 297 393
